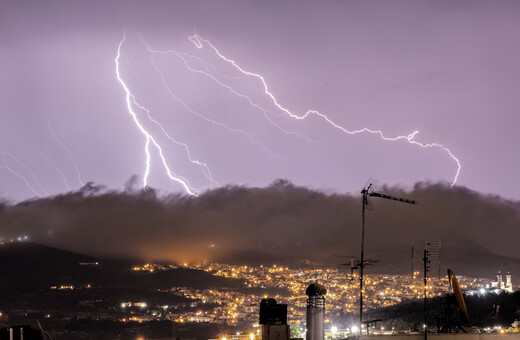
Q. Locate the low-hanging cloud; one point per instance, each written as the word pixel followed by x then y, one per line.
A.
pixel 281 220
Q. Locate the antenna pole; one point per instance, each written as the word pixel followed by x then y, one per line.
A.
pixel 364 203
pixel 426 267
pixel 365 193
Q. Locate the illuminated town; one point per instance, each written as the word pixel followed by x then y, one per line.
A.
pixel 240 307
pixel 220 299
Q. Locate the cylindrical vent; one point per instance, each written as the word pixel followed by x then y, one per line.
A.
pixel 315 312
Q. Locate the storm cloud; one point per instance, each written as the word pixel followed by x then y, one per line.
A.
pixel 281 221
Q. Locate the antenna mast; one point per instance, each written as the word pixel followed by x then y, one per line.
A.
pixel 364 202
pixel 426 260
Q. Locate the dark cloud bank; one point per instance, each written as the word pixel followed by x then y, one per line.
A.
pixel 281 221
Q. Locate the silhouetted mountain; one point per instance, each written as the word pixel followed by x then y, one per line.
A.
pixel 180 277
pixel 30 267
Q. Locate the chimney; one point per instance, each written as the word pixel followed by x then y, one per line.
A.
pixel 315 312
pixel 273 320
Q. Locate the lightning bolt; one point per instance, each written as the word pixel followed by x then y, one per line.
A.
pixel 130 99
pixel 19 175
pixel 265 112
pixel 205 169
pixel 210 71
pixel 69 153
pixel 51 164
pixel 192 111
pixel 199 42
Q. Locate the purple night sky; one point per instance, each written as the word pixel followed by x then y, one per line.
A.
pixel 449 69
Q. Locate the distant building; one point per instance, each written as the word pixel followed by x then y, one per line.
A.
pixel 509 283
pixel 500 284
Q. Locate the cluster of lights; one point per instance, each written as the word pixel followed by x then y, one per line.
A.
pixel 496 329
pixel 70 287
pixel 251 336
pixel 483 291
pixel 135 304
pixel 147 267
pixel 18 238
pixel 63 287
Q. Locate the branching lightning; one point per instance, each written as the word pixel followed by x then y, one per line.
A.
pixel 192 111
pixel 19 175
pixel 130 99
pixel 208 70
pixel 69 153
pixel 205 169
pixel 51 164
pixel 248 99
pixel 199 42
pixel 228 76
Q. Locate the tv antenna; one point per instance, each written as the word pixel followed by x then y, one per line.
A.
pixel 426 263
pixel 434 248
pixel 366 193
pixel 354 264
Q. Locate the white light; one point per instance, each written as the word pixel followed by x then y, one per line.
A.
pixel 334 329
pixel 354 329
pixel 482 291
